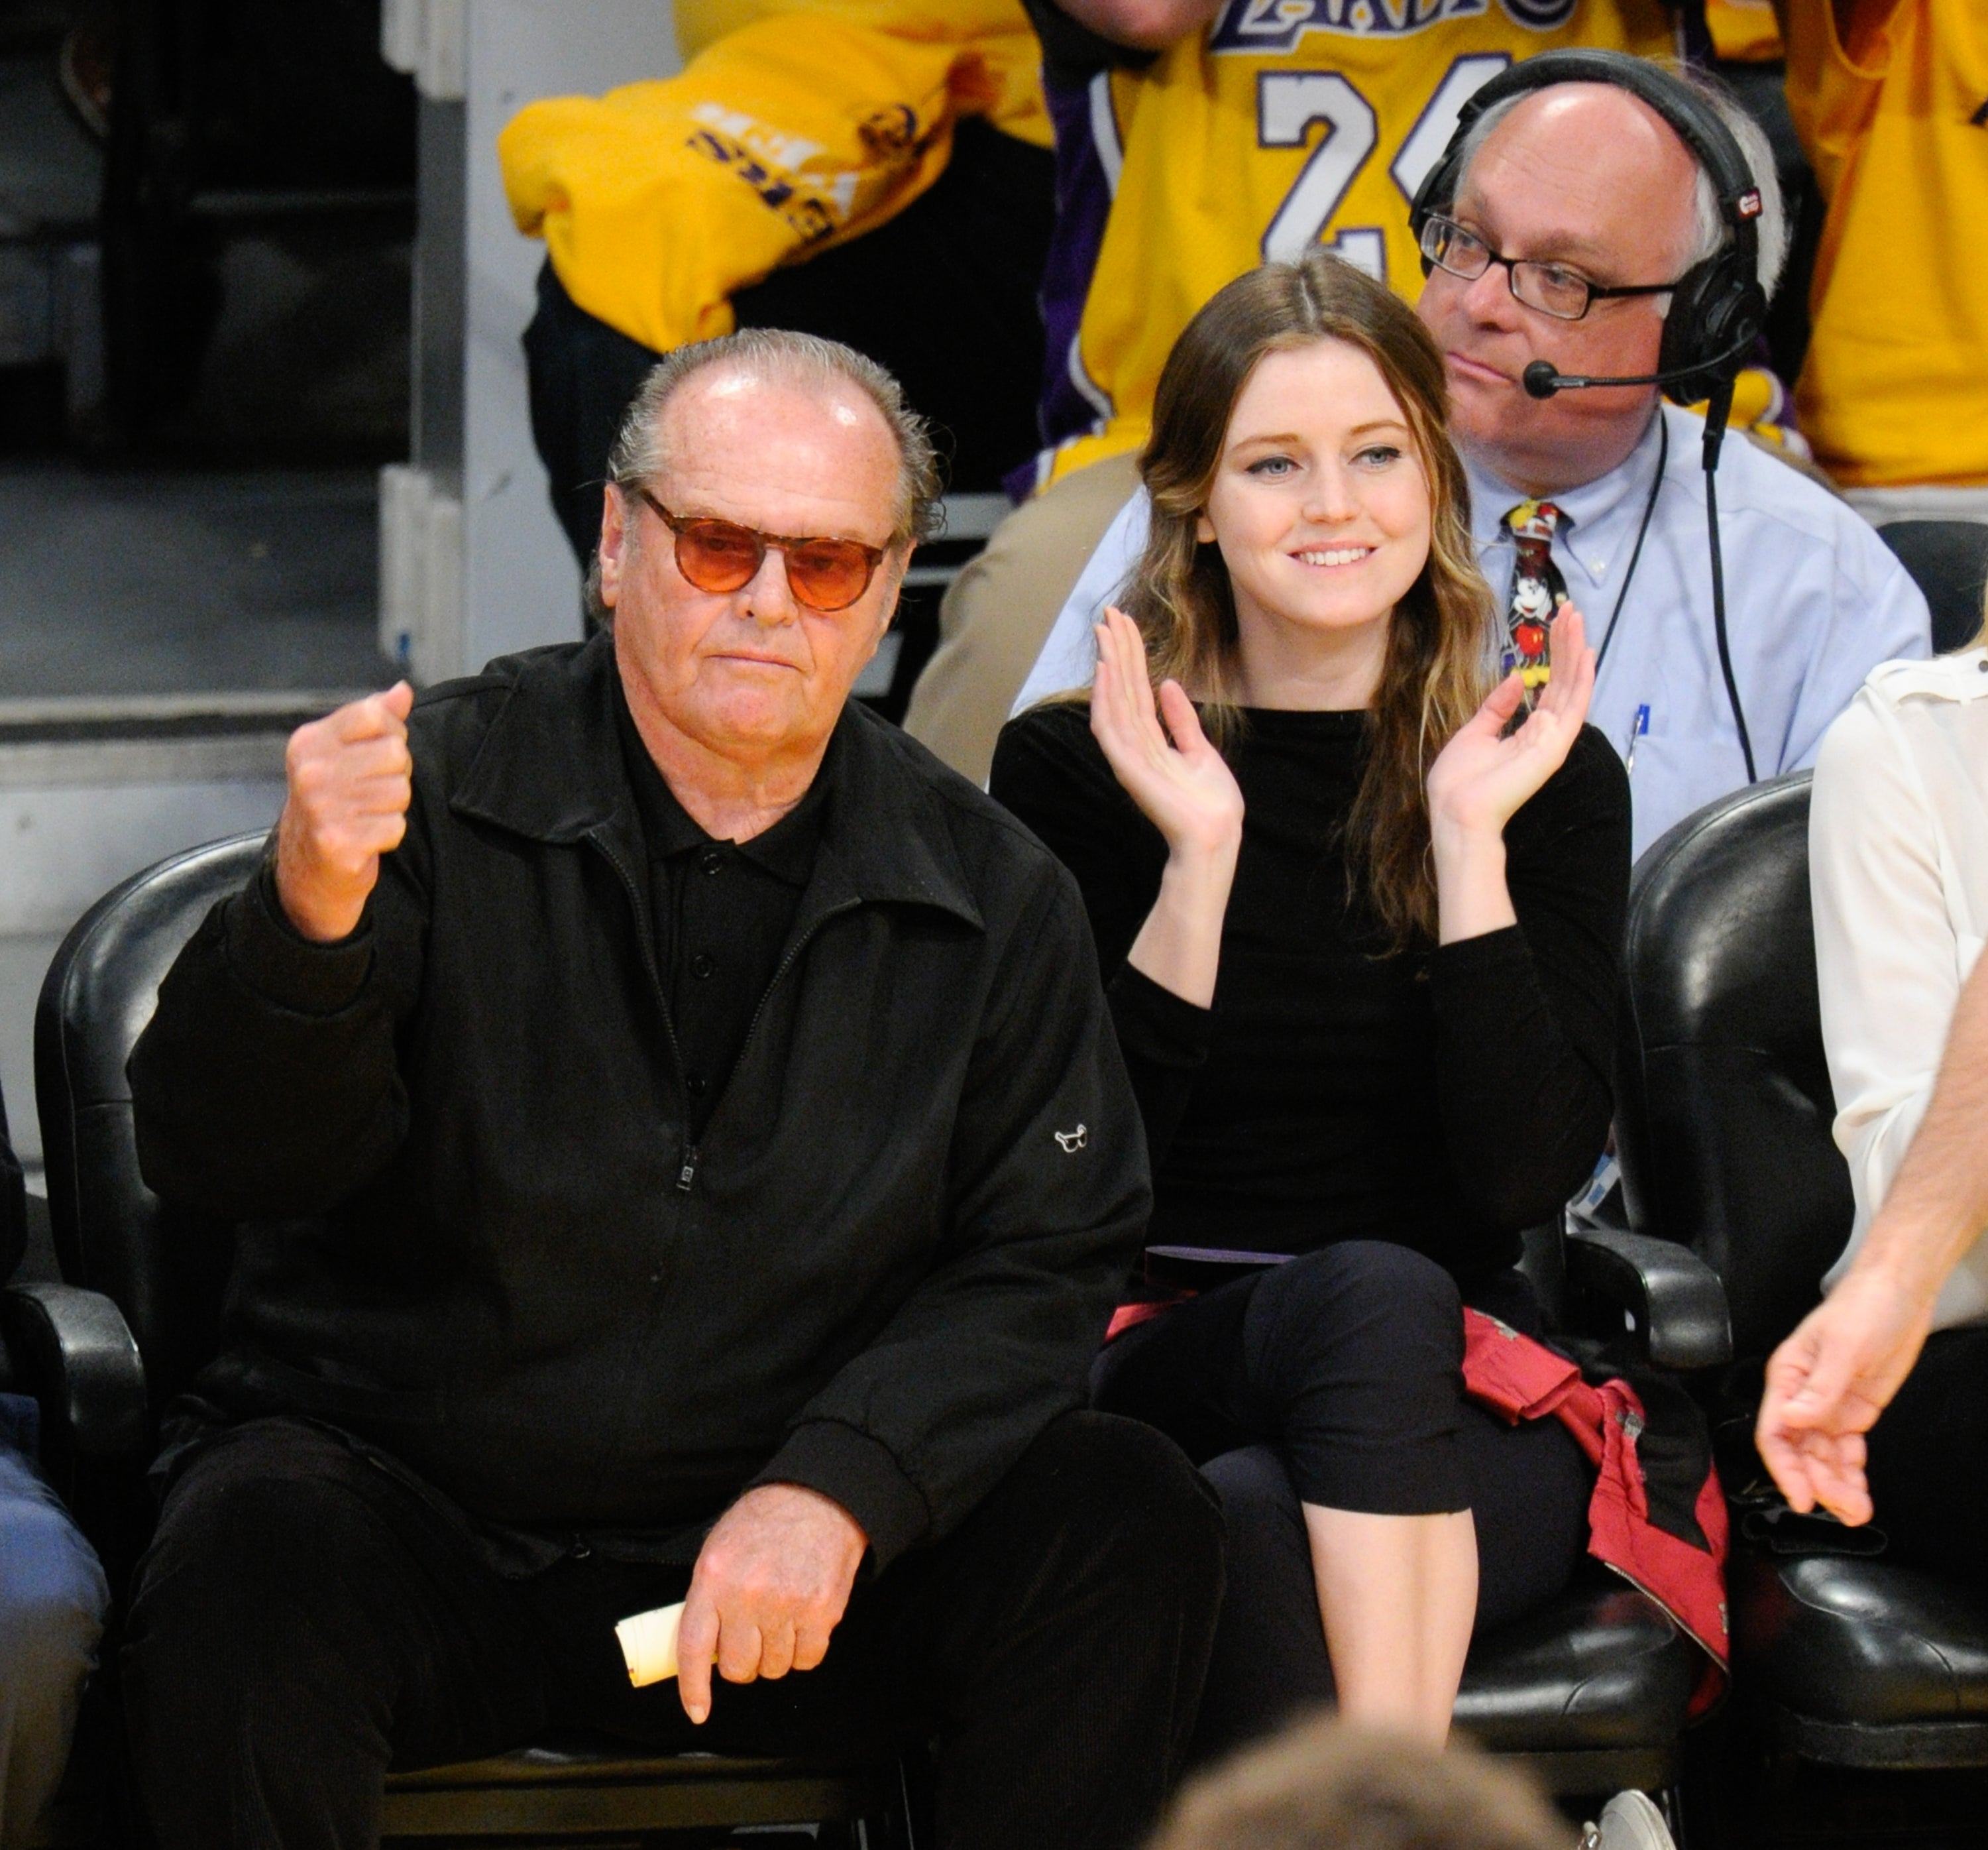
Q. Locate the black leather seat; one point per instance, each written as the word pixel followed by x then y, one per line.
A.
pixel 165 1271
pixel 1723 1115
pixel 1589 1691
pixel 1948 561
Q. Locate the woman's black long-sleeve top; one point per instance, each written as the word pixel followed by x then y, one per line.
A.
pixel 1444 1096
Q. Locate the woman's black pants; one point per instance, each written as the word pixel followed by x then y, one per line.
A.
pixel 303 1621
pixel 1336 1379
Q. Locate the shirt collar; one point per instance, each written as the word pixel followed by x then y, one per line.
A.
pixel 1600 514
pixel 548 767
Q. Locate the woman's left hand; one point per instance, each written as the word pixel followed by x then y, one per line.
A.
pixel 1482 778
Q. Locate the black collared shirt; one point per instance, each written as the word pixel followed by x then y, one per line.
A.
pixel 720 911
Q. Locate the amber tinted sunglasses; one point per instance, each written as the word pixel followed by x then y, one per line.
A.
pixel 721 556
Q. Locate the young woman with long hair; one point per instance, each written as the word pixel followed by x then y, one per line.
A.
pixel 1361 933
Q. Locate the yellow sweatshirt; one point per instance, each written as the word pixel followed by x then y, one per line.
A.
pixel 806 125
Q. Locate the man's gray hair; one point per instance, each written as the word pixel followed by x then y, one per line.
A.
pixel 804 360
pixel 1710 232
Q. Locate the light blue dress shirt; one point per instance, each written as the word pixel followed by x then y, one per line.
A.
pixel 1814 601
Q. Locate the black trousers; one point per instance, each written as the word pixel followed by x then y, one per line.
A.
pixel 303 1622
pixel 1336 1379
pixel 943 296
pixel 1928 1460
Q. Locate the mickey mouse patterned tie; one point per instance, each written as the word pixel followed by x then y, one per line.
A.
pixel 1538 590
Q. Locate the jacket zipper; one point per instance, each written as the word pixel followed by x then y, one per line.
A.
pixel 687 1164
pixel 687 1172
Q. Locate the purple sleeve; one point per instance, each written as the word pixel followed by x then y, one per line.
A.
pixel 1087 161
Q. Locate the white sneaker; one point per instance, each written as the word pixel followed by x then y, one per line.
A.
pixel 1630 1821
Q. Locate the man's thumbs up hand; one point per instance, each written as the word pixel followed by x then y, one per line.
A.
pixel 351 779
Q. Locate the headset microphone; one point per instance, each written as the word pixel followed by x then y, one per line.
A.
pixel 1542 379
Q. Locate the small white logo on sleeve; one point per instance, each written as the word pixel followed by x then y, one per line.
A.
pixel 1071 1141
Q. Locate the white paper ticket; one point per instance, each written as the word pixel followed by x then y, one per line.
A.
pixel 649 1643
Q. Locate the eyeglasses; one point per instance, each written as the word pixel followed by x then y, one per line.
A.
pixel 1551 288
pixel 825 575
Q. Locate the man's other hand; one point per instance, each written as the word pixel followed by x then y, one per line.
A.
pixel 1827 1383
pixel 770 1584
pixel 351 779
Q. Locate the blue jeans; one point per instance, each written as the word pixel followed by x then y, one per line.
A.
pixel 52 1599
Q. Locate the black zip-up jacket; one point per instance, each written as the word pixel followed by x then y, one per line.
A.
pixel 475 1235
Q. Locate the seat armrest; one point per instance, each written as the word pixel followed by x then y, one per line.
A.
pixel 71 1349
pixel 1673 1303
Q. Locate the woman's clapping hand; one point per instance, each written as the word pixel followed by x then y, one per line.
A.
pixel 1484 776
pixel 1187 791
pixel 1178 779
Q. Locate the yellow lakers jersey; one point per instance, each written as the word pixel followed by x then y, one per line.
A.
pixel 1287 123
pixel 1895 388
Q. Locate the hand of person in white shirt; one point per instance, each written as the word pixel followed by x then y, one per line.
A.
pixel 1184 788
pixel 1483 777
pixel 1828 1382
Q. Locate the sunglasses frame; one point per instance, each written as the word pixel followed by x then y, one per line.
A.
pixel 782 543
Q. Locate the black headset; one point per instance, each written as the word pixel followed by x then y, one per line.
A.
pixel 1718 307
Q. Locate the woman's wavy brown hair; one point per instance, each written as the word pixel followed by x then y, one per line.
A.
pixel 1437 667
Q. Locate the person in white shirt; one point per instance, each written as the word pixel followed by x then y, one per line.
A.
pixel 1898 873
pixel 1814 598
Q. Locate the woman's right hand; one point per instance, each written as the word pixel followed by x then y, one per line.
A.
pixel 1188 792
pixel 1180 783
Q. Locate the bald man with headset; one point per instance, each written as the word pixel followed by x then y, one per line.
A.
pixel 1599 234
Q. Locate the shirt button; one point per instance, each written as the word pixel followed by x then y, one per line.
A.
pixel 702 964
pixel 710 861
pixel 694 1084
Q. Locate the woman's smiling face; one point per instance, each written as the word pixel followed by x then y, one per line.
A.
pixel 1320 503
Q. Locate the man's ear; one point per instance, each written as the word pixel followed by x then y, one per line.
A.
pixel 617 538
pixel 896 565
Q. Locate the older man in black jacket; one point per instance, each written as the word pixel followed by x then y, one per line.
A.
pixel 679 1152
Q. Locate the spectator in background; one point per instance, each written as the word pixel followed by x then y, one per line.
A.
pixel 1878 1402
pixel 1195 139
pixel 1891 99
pixel 1323 1786
pixel 1590 178
pixel 52 1593
pixel 877 173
